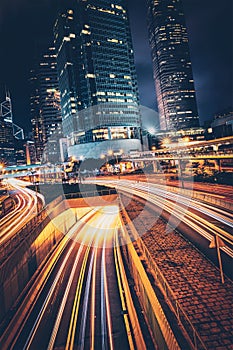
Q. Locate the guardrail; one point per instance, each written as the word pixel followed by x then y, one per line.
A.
pixel 85 194
pixel 158 324
pixel 181 315
pixel 202 197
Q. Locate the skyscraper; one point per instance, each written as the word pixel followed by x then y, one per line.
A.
pixel 97 79
pixel 172 65
pixel 36 118
pixel 7 148
pixel 45 106
pixel 10 133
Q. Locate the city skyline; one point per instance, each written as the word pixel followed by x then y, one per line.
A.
pixel 116 232
pixel 212 84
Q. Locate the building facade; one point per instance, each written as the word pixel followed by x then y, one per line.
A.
pixel 36 118
pixel 97 78
pixel 222 125
pixel 45 107
pixel 172 66
pixel 8 132
pixel 7 143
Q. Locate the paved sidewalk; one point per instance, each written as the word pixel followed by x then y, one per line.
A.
pixel 194 280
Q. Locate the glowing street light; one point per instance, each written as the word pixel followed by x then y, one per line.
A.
pixel 151 130
pixel 166 141
pixel 186 139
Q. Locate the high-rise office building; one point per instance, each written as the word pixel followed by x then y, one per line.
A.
pixel 172 65
pixel 9 132
pixel 36 118
pixel 97 78
pixel 45 106
pixel 7 147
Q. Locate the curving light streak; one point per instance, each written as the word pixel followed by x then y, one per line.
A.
pixel 47 271
pixel 24 211
pixel 200 225
pixel 64 301
pixel 11 214
pixel 76 304
pixel 47 300
pixel 105 305
pixel 85 304
pixel 73 234
pixel 203 208
pixel 165 199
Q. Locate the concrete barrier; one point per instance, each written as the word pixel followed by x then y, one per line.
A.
pixel 161 331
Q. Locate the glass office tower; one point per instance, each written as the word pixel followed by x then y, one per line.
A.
pixel 172 65
pixel 97 79
pixel 45 105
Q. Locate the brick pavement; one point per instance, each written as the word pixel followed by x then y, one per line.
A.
pixel 194 280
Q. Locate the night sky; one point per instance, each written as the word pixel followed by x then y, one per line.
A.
pixel 210 29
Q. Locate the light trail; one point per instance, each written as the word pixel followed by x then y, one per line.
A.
pixel 25 209
pixel 76 304
pixel 73 234
pixel 88 314
pixel 8 216
pixel 122 297
pixel 105 305
pixel 203 208
pixel 64 300
pixel 197 223
pixel 165 200
pixel 47 300
pixel 92 335
pixel 81 342
pixel 91 279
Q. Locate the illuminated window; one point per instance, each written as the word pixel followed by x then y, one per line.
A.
pixel 113 40
pixel 86 32
pixel 90 75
